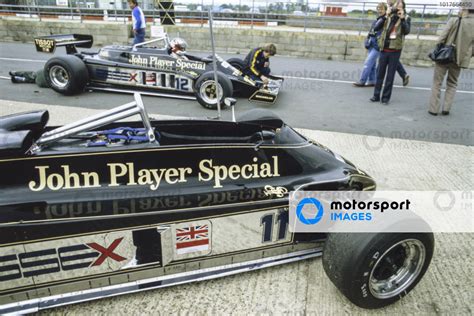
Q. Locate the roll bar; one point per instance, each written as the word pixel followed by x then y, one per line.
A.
pixel 164 37
pixel 98 120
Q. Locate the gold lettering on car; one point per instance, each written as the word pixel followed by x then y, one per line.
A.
pixel 63 180
pixel 182 64
pixel 151 62
pixel 277 191
pixel 127 174
pixel 46 45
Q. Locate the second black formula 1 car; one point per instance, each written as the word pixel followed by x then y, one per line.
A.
pixel 148 68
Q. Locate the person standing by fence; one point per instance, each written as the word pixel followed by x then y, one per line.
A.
pixel 138 22
pixel 458 32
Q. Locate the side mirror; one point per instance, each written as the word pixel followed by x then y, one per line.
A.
pixel 231 102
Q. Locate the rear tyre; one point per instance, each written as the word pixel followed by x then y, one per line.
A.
pixel 205 89
pixel 377 269
pixel 237 63
pixel 67 75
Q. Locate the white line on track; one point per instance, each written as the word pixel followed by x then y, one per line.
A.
pixel 286 77
pixel 351 82
pixel 20 59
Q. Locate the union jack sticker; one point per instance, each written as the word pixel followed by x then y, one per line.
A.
pixel 192 239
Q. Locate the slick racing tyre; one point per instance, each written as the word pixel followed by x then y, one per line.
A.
pixel 376 269
pixel 66 74
pixel 237 63
pixel 206 92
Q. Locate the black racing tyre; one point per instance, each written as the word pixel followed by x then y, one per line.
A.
pixel 376 269
pixel 40 79
pixel 66 74
pixel 237 63
pixel 205 89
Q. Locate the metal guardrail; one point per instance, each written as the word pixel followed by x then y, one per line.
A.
pixel 426 19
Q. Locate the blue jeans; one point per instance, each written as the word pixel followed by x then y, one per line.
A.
pixel 370 66
pixel 139 36
pixel 388 63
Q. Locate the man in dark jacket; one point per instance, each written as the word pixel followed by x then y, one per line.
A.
pixel 395 25
pixel 257 62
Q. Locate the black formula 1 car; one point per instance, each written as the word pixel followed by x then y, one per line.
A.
pixel 99 208
pixel 149 68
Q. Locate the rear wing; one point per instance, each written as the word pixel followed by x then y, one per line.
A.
pixel 48 44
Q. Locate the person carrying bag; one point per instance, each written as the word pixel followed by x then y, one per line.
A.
pixel 445 54
pixel 454 52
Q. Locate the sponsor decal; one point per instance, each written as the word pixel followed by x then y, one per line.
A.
pixel 191 73
pixel 150 78
pixel 54 260
pixel 133 77
pixel 163 80
pixel 165 64
pixel 264 97
pixel 48 260
pixel 278 191
pixel 106 252
pixel 46 45
pixel 128 174
pixel 151 62
pixel 194 65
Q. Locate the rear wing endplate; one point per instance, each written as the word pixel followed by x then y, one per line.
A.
pixel 48 44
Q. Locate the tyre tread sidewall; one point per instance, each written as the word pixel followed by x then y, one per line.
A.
pixel 77 71
pixel 349 268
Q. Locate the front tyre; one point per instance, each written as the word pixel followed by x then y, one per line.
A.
pixel 67 75
pixel 206 92
pixel 374 270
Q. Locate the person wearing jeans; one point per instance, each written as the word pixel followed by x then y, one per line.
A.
pixel 138 22
pixel 395 25
pixel 367 79
pixel 400 69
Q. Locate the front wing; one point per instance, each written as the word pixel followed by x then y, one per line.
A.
pixel 268 93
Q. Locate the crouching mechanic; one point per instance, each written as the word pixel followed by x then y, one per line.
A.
pixel 177 48
pixel 257 62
